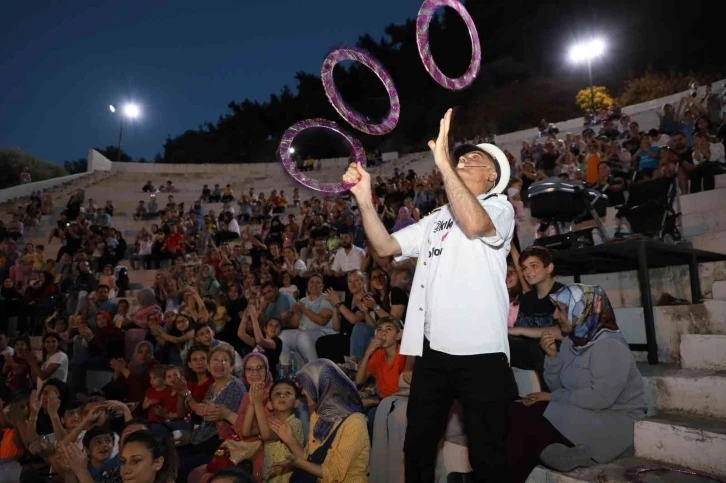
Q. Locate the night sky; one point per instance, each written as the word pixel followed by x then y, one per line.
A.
pixel 63 63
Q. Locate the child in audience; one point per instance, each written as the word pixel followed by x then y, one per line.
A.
pixel 109 279
pixel 16 368
pixel 383 361
pixel 283 399
pixel 122 318
pixel 536 311
pixel 98 443
pixel 219 314
pixel 288 287
pixel 38 257
pixel 516 285
pixel 173 404
pixel 156 395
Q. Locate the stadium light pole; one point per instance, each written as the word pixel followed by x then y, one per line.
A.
pixel 131 111
pixel 586 52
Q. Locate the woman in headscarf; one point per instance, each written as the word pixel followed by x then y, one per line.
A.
pixel 149 304
pixel 208 285
pixel 597 391
pixel 404 219
pixel 338 447
pixel 130 381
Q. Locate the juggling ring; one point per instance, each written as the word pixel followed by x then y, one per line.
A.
pixel 423 20
pixel 284 151
pixel 354 118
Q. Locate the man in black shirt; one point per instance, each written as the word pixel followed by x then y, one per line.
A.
pixel 535 311
pixel 612 186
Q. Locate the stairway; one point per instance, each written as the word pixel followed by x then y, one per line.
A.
pixel 686 396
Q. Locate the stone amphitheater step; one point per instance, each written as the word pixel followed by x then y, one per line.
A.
pixel 614 472
pixel 718 290
pixel 694 442
pixel 698 392
pixel 704 201
pixel 714 242
pixel 705 351
pixel 671 323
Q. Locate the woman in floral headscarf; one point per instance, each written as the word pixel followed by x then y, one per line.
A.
pixel 597 391
pixel 338 446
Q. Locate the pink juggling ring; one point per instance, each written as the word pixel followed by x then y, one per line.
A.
pixel 423 21
pixel 288 162
pixel 352 117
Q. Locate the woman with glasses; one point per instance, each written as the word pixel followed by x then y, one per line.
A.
pixel 222 400
pixel 256 369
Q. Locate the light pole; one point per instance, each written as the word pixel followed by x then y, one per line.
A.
pixel 131 111
pixel 586 52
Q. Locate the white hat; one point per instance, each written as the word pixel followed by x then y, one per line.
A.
pixel 501 163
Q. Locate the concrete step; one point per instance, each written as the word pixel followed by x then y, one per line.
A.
pixel 685 440
pixel 618 471
pixel 721 181
pixel 705 221
pixel 671 323
pixel 704 201
pixel 718 290
pixel 712 242
pixel 699 392
pixel 704 351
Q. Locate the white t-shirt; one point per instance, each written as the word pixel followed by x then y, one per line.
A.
pixel 290 290
pixel 61 372
pixel 298 267
pixel 459 297
pixel 233 226
pixel 347 262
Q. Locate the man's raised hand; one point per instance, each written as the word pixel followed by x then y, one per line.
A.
pixel 361 181
pixel 440 146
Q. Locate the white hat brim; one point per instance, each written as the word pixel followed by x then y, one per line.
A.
pixel 505 172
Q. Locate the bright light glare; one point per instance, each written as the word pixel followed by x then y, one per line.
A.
pixel 131 111
pixel 291 150
pixel 113 109
pixel 587 50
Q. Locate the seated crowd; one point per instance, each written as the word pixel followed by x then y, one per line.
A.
pixel 687 145
pixel 267 347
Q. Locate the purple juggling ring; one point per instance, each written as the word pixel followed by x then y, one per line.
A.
pixel 359 154
pixel 354 118
pixel 428 8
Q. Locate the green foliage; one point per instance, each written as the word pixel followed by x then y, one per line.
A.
pixel 111 153
pixel 651 86
pixel 602 98
pixel 12 162
pixel 80 165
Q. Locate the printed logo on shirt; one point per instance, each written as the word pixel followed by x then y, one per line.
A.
pixel 435 252
pixel 443 225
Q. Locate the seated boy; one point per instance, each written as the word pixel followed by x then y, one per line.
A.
pixel 536 311
pixel 383 361
pixel 284 398
pixel 97 412
pixel 99 445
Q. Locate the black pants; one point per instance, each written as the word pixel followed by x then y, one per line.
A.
pixel 703 176
pixel 526 354
pixel 485 387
